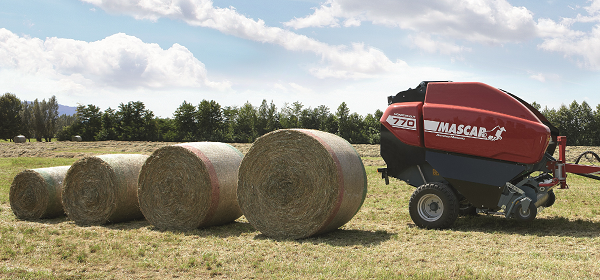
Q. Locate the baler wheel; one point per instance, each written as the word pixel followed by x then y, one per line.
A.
pixel 551 199
pixel 433 206
pixel 527 215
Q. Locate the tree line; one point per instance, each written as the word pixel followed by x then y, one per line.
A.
pixel 579 122
pixel 37 119
pixel 209 121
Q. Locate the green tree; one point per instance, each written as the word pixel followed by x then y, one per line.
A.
pixel 210 121
pixel 50 109
pixel 45 118
pixel 186 122
pixel 323 117
pixel 372 127
pixel 577 122
pixel 309 119
pixel 11 125
pixel 65 120
pixel 38 119
pixel 88 122
pixel 135 122
pixel 167 129
pixel 108 130
pixel 230 117
pixel 290 115
pixel 596 126
pixel 584 117
pixel 343 118
pixel 357 128
pixel 267 118
pixel 27 119
pixel 330 124
pixel 245 125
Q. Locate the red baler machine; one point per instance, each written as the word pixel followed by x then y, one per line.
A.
pixel 471 148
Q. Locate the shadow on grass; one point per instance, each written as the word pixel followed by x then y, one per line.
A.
pixel 549 226
pixel 129 225
pixel 342 238
pixel 222 231
pixel 339 237
pixel 227 230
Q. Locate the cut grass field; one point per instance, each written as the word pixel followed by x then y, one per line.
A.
pixel 380 242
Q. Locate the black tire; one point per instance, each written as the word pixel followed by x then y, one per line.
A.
pixel 551 199
pixel 525 216
pixel 433 206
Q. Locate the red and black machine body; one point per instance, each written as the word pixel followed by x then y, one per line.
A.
pixel 481 143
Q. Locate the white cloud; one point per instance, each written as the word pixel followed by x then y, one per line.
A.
pixel 474 20
pixel 292 88
pixel 583 46
pixel 538 77
pixel 495 21
pixel 300 89
pixel 544 77
pixel 594 8
pixel 358 61
pixel 549 28
pixel 352 22
pixel 586 46
pixel 119 61
pixel 424 42
pixel 323 16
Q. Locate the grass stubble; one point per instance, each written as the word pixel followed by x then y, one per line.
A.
pixel 379 242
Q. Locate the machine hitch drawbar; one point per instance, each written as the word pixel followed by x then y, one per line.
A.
pixel 561 167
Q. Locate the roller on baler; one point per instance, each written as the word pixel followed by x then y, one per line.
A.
pixel 471 148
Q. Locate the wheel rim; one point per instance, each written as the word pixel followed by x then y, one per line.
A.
pixel 430 207
pixel 525 213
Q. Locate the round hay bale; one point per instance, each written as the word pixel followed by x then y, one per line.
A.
pixel 36 193
pixel 190 185
pixel 20 139
pixel 103 189
pixel 296 183
pixel 76 138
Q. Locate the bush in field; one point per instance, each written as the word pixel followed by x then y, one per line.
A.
pixel 10 106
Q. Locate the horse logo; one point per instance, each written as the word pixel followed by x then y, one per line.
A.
pixel 496 133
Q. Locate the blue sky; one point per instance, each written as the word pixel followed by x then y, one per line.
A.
pixel 106 52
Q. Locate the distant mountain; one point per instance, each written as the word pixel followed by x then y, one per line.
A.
pixel 67 110
pixel 62 109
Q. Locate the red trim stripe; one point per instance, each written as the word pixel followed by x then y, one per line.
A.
pixel 340 179
pixel 214 182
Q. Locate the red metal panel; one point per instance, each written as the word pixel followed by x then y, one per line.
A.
pixel 404 120
pixel 476 119
pixel 478 96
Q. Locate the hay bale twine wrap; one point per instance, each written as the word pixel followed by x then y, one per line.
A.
pixel 20 139
pixel 103 189
pixel 190 185
pixel 295 183
pixel 36 193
